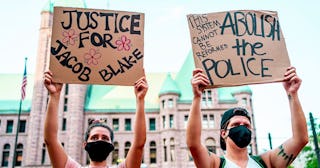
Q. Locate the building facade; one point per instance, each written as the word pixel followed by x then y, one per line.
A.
pixel 167 108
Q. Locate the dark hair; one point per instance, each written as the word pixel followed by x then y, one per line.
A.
pixel 97 123
pixel 222 142
pixel 227 115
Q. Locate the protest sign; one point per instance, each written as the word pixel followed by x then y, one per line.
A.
pixel 239 47
pixel 90 46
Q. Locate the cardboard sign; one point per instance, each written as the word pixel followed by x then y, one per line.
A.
pixel 91 46
pixel 239 47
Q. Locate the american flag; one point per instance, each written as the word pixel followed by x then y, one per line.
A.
pixel 24 81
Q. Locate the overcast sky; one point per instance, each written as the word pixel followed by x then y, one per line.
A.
pixel 167 38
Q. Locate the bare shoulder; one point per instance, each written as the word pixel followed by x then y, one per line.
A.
pixel 214 161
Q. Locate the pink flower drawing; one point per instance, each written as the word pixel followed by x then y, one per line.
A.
pixel 70 37
pixel 92 57
pixel 123 44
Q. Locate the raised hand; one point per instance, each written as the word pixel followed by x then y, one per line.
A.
pixel 53 88
pixel 291 81
pixel 141 88
pixel 199 81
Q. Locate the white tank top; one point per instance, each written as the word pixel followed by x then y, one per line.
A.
pixel 251 164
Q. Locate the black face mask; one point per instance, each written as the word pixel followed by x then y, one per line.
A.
pixel 240 135
pixel 99 150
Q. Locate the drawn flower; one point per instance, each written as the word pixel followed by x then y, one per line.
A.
pixel 69 37
pixel 92 56
pixel 123 44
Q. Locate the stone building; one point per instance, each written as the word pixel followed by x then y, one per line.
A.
pixel 167 106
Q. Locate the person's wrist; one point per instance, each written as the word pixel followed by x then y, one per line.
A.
pixel 196 96
pixel 292 95
pixel 55 95
pixel 139 98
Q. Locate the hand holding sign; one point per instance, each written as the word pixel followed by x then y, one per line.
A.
pixel 97 46
pixel 239 47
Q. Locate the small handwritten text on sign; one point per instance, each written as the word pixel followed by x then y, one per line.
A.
pixel 239 47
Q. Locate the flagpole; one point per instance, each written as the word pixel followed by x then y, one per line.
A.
pixel 18 125
pixel 16 140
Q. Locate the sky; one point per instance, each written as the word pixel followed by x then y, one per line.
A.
pixel 167 43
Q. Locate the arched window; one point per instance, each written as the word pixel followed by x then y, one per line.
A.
pixel 153 152
pixel 172 150
pixel 163 104
pixel 165 150
pixel 115 153
pixel 5 155
pixel 19 152
pixel 211 145
pixel 126 148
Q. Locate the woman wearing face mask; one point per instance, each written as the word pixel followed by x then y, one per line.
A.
pixel 98 137
pixel 235 134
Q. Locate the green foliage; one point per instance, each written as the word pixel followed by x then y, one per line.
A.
pixel 308 151
pixel 310 157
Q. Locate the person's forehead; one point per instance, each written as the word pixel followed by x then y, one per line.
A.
pixel 99 131
pixel 236 119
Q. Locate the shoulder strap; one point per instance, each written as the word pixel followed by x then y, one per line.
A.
pixel 222 162
pixel 259 160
